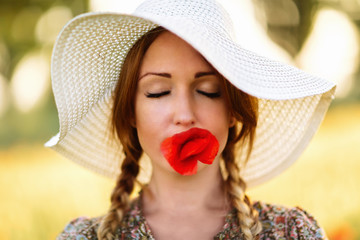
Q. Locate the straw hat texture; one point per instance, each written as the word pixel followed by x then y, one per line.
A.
pixel 88 57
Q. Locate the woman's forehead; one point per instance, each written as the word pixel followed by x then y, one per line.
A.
pixel 170 53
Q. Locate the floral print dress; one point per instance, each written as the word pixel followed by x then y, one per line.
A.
pixel 278 223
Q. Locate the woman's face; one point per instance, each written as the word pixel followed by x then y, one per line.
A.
pixel 177 90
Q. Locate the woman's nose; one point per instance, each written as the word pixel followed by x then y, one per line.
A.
pixel 184 114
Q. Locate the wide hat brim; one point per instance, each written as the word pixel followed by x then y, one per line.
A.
pixel 86 64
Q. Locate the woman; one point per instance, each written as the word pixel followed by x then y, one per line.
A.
pixel 211 116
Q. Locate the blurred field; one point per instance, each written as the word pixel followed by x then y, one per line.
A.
pixel 41 191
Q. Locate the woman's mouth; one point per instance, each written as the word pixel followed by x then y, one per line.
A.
pixel 184 150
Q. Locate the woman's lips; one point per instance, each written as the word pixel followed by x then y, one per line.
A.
pixel 185 149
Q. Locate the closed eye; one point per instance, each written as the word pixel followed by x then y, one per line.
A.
pixel 156 95
pixel 209 94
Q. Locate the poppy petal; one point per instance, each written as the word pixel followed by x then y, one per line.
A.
pixel 184 149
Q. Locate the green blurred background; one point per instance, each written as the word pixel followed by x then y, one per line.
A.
pixel 41 191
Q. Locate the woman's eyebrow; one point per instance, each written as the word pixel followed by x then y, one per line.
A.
pixel 167 75
pixel 201 74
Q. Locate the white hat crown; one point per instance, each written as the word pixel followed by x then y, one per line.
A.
pixel 208 13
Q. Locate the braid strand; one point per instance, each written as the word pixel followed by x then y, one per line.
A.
pixel 235 188
pixel 119 199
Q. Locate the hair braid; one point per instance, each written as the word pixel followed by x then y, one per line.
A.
pixel 120 196
pixel 124 185
pixel 235 188
pixel 244 108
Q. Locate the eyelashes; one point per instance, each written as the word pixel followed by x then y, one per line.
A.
pixel 156 95
pixel 210 94
pixel 164 93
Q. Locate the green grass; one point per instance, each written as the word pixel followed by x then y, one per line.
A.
pixel 41 191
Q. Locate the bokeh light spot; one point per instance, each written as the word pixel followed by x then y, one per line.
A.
pixel 51 22
pixel 331 51
pixel 30 80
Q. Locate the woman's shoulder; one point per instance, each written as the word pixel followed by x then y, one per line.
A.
pixel 292 223
pixel 83 228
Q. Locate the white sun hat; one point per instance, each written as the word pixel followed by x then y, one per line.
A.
pixel 88 57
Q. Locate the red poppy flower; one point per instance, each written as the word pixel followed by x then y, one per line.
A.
pixel 184 149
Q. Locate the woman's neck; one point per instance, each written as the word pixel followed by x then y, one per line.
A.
pixel 173 192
